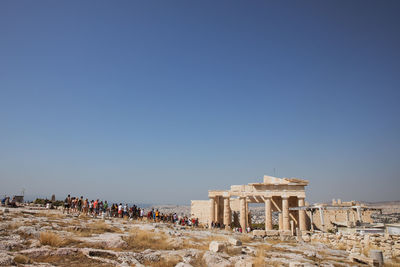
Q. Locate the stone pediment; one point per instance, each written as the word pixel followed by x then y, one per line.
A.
pixel 283 181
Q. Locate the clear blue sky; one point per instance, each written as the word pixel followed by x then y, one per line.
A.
pixel 160 101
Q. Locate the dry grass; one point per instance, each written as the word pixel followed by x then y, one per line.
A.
pixel 140 240
pixel 84 217
pixel 13 214
pixel 341 246
pixel 95 228
pixel 50 239
pixel 210 238
pixel 395 262
pixel 50 215
pixel 22 259
pixel 196 243
pixel 55 240
pixel 261 254
pixel 68 241
pixel 102 227
pixel 232 251
pixel 245 238
pixel 13 226
pixel 77 259
pixel 80 232
pixel 392 264
pixel 31 222
pixel 259 260
pixel 198 261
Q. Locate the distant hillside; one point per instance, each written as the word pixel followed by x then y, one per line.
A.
pixel 386 206
pixel 383 203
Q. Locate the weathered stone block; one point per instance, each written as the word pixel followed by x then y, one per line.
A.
pixel 272 232
pixel 216 246
pixel 258 233
pixel 234 242
pixel 285 232
pixel 212 259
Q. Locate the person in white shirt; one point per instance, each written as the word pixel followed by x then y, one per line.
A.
pixel 125 210
pixel 120 210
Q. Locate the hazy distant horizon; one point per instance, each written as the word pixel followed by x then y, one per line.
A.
pixel 161 101
pixel 31 198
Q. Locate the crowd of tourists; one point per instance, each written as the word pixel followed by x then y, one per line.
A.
pixel 98 208
pixel 6 202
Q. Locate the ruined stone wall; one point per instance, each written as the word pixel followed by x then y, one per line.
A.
pixel 360 244
pixel 338 216
pixel 200 209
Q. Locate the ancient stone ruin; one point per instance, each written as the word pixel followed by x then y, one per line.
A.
pixel 284 198
pixel 278 195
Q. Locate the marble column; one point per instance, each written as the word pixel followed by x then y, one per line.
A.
pixel 212 210
pixel 248 221
pixel 359 213
pixel 292 226
pixel 268 214
pixel 285 213
pixel 280 221
pixel 302 215
pixel 227 212
pixel 243 214
pixel 311 220
pixel 217 209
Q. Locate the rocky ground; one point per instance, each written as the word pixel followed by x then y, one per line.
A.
pixel 38 237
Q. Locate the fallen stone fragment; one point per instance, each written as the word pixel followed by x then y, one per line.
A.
pixel 259 233
pixel 183 264
pixel 215 260
pixel 234 242
pixel 216 246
